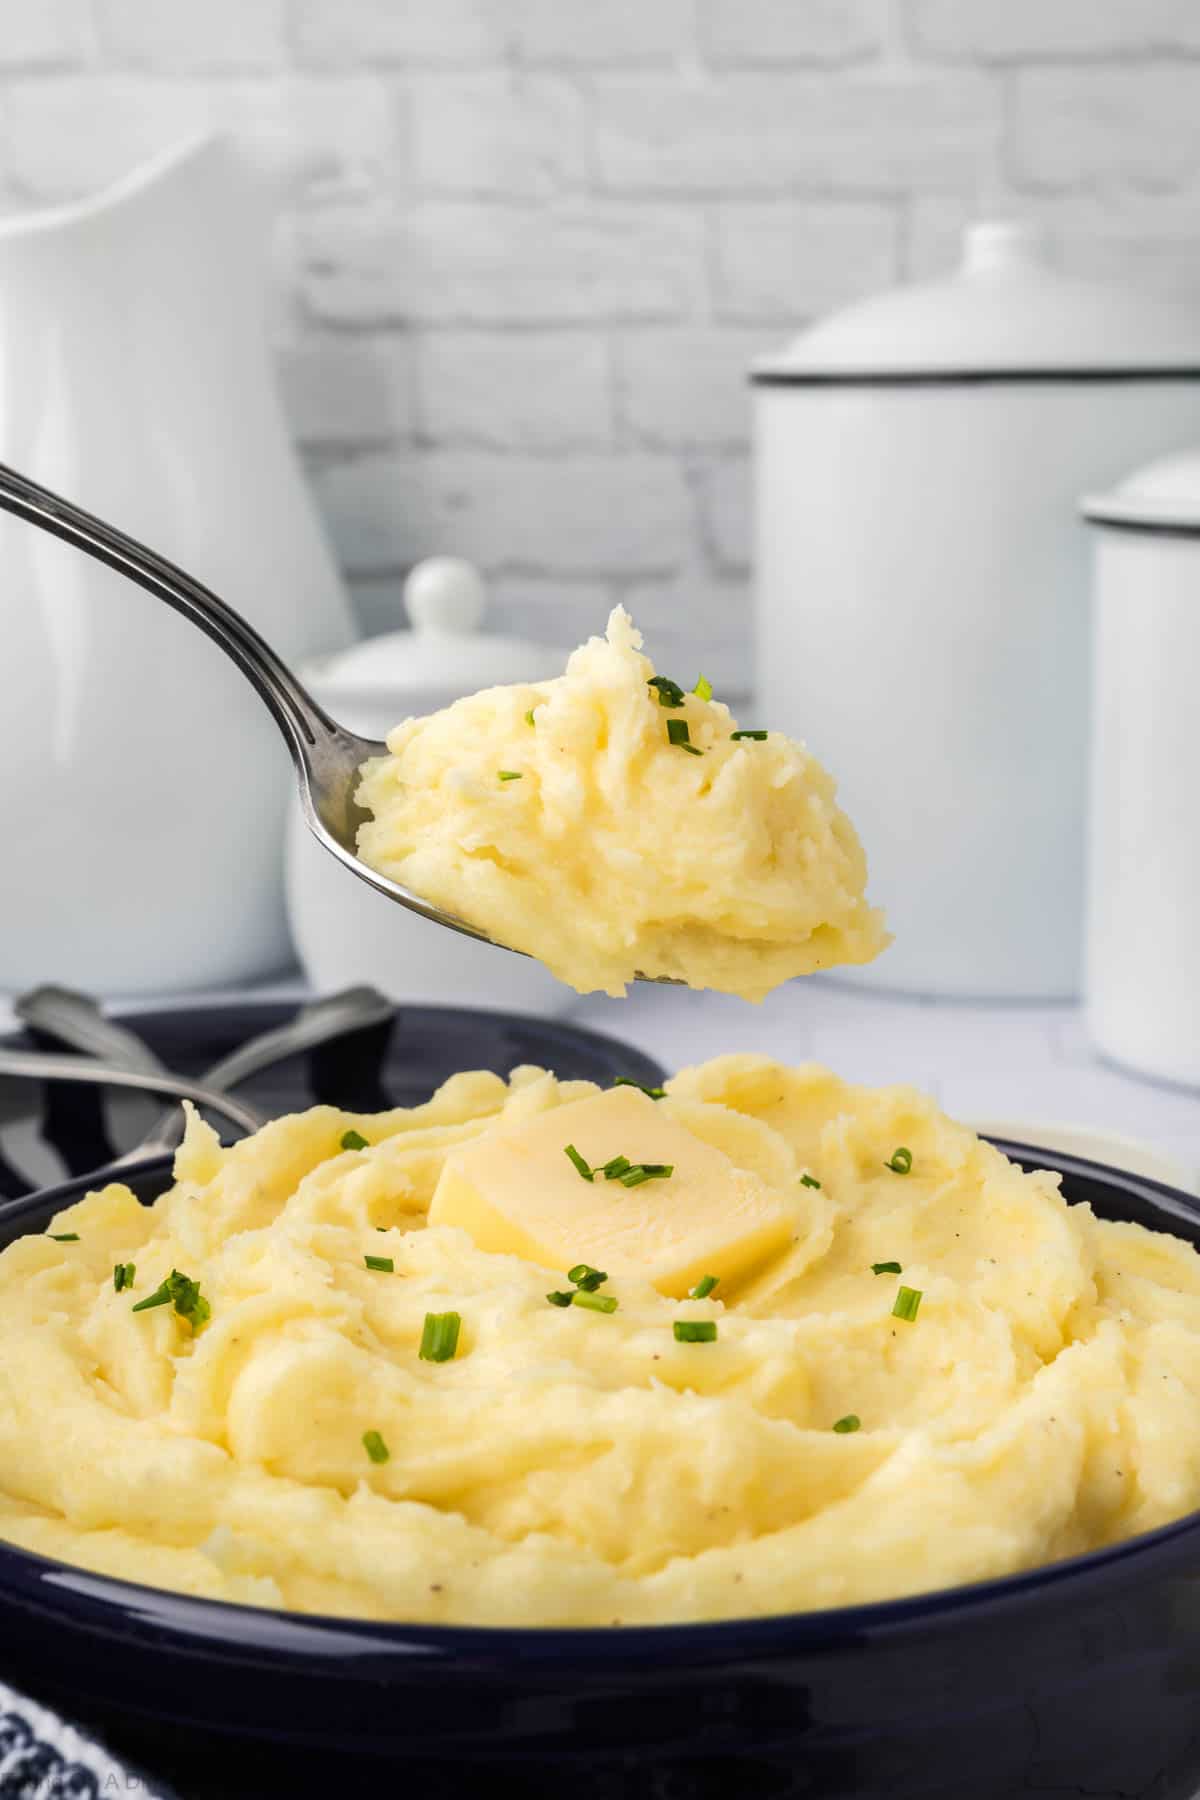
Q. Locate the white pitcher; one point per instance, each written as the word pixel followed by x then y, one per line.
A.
pixel 142 786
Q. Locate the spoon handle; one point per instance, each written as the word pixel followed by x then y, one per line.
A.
pixel 297 714
pixel 36 1066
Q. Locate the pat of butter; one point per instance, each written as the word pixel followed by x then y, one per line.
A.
pixel 516 1192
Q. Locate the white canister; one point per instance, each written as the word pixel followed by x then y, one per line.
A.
pixel 1142 969
pixel 344 931
pixel 922 587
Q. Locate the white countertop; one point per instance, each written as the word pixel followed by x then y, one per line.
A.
pixel 984 1063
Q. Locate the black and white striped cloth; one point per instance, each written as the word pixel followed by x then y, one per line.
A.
pixel 44 1758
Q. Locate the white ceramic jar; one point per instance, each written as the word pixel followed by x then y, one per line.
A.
pixel 922 587
pixel 1143 921
pixel 344 931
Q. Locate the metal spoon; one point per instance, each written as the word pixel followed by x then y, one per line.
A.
pixel 77 1019
pixel 35 1065
pixel 327 757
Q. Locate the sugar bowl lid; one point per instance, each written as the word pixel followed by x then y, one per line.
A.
pixel 446 653
pixel 1163 495
pixel 1006 313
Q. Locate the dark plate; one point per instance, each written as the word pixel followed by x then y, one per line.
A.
pixel 1079 1679
pixel 49 1131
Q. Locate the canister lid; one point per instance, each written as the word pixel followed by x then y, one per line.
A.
pixel 445 654
pixel 1163 495
pixel 1007 313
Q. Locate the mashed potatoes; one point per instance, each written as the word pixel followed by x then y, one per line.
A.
pixel 611 826
pixel 834 1441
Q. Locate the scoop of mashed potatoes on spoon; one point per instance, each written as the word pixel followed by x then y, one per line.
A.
pixel 614 826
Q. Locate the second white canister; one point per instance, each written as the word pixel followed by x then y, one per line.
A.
pixel 922 587
pixel 1142 965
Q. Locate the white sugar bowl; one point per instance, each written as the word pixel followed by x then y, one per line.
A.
pixel 344 931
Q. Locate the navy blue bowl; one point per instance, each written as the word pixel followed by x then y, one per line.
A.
pixel 1082 1678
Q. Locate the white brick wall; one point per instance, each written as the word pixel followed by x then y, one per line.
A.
pixel 539 240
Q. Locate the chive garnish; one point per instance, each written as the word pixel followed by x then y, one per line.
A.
pixel 705 1286
pixel 851 1422
pixel 651 1093
pixel 439 1338
pixel 580 1166
pixel 809 1181
pixel 640 1172
pixel 605 1303
pixel 888 1268
pixel 529 717
pixel 560 1298
pixel 679 735
pixel 123 1274
pixel 907 1302
pixel 509 774
pixel 900 1161
pixel 669 692
pixel 758 736
pixel 64 1237
pixel 181 1292
pixel 703 688
pixel 354 1140
pixel 617 1166
pixel 695 1331
pixel 584 1276
pixel 384 1264
pixel 375 1447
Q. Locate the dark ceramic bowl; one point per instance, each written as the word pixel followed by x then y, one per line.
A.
pixel 1082 1678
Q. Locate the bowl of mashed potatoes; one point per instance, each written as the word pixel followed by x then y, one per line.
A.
pixel 759 1434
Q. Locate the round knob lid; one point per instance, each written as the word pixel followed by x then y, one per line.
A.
pixel 1006 312
pixel 445 655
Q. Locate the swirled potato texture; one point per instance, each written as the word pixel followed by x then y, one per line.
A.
pixel 575 1466
pixel 611 827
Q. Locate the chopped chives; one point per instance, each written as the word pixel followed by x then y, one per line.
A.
pixel 703 688
pixel 679 734
pixel 383 1264
pixel 160 1297
pixel 809 1181
pixel 695 1331
pixel 509 774
pixel 375 1447
pixel 580 1166
pixel 584 1276
pixel 561 1298
pixel 851 1422
pixel 900 1161
pixel 181 1292
pixel 704 1287
pixel 887 1268
pixel 758 736
pixel 439 1338
pixel 605 1303
pixel 669 692
pixel 529 717
pixel 64 1237
pixel 907 1302
pixel 640 1172
pixel 123 1274
pixel 354 1140
pixel 617 1166
pixel 651 1093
